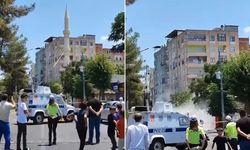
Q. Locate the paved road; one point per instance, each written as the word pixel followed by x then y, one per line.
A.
pixel 67 138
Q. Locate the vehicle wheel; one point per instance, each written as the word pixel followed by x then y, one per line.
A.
pixel 38 119
pixel 157 144
pixel 68 120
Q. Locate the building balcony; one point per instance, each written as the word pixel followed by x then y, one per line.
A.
pixel 194 76
pixel 196 42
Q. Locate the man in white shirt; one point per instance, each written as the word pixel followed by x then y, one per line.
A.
pixel 137 135
pixel 5 108
pixel 22 112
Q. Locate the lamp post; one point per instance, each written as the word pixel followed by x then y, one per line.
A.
pixel 83 78
pixel 220 77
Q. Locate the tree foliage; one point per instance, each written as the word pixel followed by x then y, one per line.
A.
pixel 119 69
pixel 237 78
pixel 180 98
pixel 134 87
pixel 8 13
pixel 72 82
pixel 56 87
pixel 207 90
pixel 130 2
pixel 100 71
pixel 14 66
pixel 117 32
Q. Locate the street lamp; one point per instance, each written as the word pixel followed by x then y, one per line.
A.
pixel 83 78
pixel 219 76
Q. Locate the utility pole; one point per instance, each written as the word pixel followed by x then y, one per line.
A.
pixel 83 78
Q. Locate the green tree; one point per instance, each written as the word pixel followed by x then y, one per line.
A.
pixel 8 13
pixel 119 69
pixel 72 81
pixel 117 33
pixel 207 90
pixel 134 87
pixel 14 65
pixel 100 70
pixel 237 78
pixel 180 98
pixel 56 87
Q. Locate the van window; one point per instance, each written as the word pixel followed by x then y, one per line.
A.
pixel 59 100
pixel 183 121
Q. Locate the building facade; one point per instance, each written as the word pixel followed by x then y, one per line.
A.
pixel 161 74
pixel 40 67
pixel 244 44
pixel 188 51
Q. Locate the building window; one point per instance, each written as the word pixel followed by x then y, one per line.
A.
pixel 196 37
pixel 91 43
pixel 232 38
pixel 71 58
pixel 212 38
pixel 212 60
pixel 221 48
pixel 232 49
pixel 71 42
pixel 221 37
pixel 77 42
pixel 212 48
pixel 163 80
pixel 83 43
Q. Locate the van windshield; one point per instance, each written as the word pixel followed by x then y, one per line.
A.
pixel 183 121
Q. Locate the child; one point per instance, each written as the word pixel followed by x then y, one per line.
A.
pixel 22 112
pixel 120 130
pixel 220 140
pixel 111 127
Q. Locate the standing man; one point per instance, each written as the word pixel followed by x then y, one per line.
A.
pixel 22 112
pixel 231 133
pixel 95 110
pixel 5 108
pixel 243 128
pixel 137 135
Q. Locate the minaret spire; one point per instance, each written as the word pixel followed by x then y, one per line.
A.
pixel 66 33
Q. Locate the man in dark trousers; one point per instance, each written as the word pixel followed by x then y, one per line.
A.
pixel 95 110
pixel 111 127
pixel 243 128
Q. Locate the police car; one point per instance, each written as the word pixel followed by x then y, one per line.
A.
pixel 165 128
pixel 38 101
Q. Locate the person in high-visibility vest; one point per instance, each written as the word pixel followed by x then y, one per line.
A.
pixel 193 134
pixel 54 115
pixel 231 133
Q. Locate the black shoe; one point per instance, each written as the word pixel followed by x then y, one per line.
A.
pixel 49 144
pixel 88 143
pixel 27 148
pixel 97 141
pixel 54 143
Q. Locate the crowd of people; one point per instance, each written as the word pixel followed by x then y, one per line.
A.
pixel 87 118
pixel 235 135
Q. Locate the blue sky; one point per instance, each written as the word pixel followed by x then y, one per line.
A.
pixel 86 17
pixel 155 19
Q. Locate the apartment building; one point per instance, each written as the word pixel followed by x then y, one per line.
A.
pixel 190 49
pixel 40 67
pixel 244 44
pixel 161 74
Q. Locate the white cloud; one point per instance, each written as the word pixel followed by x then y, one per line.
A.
pixel 104 38
pixel 247 30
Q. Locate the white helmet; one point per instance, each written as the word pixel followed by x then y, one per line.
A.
pixel 228 118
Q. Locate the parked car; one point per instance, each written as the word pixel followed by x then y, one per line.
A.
pixel 106 106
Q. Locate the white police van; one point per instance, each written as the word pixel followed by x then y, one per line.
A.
pixel 38 101
pixel 165 128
